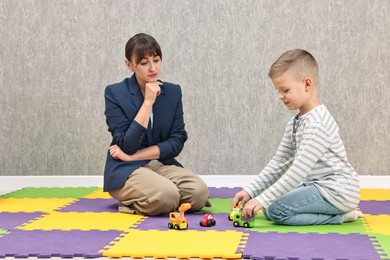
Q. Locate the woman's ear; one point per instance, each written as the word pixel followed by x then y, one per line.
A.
pixel 128 64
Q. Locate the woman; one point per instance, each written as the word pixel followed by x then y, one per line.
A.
pixel 145 118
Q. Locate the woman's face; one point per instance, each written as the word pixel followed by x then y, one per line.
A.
pixel 147 70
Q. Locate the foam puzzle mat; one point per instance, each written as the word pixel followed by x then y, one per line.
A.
pixel 84 222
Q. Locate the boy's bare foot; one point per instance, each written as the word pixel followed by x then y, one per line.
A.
pixel 352 215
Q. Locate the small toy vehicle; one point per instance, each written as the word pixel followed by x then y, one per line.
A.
pixel 239 221
pixel 235 210
pixel 207 221
pixel 177 220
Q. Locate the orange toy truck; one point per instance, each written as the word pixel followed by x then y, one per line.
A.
pixel 177 219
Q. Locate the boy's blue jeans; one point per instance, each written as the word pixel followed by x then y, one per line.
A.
pixel 303 206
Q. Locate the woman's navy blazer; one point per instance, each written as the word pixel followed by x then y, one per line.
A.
pixel 123 100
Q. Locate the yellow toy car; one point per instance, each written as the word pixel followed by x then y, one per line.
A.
pixel 177 220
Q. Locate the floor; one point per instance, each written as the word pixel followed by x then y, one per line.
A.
pixel 18 182
pixel 221 181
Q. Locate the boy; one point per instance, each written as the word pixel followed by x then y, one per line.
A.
pixel 309 181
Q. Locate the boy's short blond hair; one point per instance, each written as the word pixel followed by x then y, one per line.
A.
pixel 300 62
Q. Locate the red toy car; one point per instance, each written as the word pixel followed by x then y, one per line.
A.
pixel 207 221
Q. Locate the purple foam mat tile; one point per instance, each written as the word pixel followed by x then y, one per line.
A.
pixel 223 193
pixel 375 207
pixel 161 223
pixel 55 243
pixel 92 205
pixel 309 246
pixel 67 256
pixel 10 220
pixel 21 256
pixel 92 256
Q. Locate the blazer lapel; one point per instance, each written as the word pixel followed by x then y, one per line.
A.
pixel 138 99
pixel 135 92
pixel 157 108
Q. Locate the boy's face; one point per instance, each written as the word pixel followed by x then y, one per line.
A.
pixel 292 92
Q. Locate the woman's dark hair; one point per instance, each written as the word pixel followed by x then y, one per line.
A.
pixel 140 46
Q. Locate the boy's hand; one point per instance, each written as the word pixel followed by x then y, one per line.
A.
pixel 242 197
pixel 251 208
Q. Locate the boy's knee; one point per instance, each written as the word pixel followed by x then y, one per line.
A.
pixel 265 213
pixel 278 214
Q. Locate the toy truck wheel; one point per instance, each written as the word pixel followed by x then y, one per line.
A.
pixel 200 223
pixel 211 223
pixel 170 225
pixel 177 227
pixel 229 218
pixel 236 224
pixel 246 225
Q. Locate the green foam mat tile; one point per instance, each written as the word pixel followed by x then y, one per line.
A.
pixel 265 225
pixel 219 206
pixel 33 193
pixel 382 244
pixel 3 231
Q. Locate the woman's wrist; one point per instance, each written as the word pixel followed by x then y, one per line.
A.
pixel 130 157
pixel 148 103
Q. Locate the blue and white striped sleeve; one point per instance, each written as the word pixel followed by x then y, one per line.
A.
pixel 275 168
pixel 315 142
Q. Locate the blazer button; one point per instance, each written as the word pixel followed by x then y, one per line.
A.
pixel 141 138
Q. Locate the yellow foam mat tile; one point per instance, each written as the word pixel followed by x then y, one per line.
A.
pixel 375 194
pixel 83 221
pixel 98 194
pixel 176 244
pixel 379 224
pixel 32 205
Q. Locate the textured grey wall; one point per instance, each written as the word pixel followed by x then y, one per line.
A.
pixel 58 56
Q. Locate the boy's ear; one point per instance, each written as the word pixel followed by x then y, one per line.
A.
pixel 308 83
